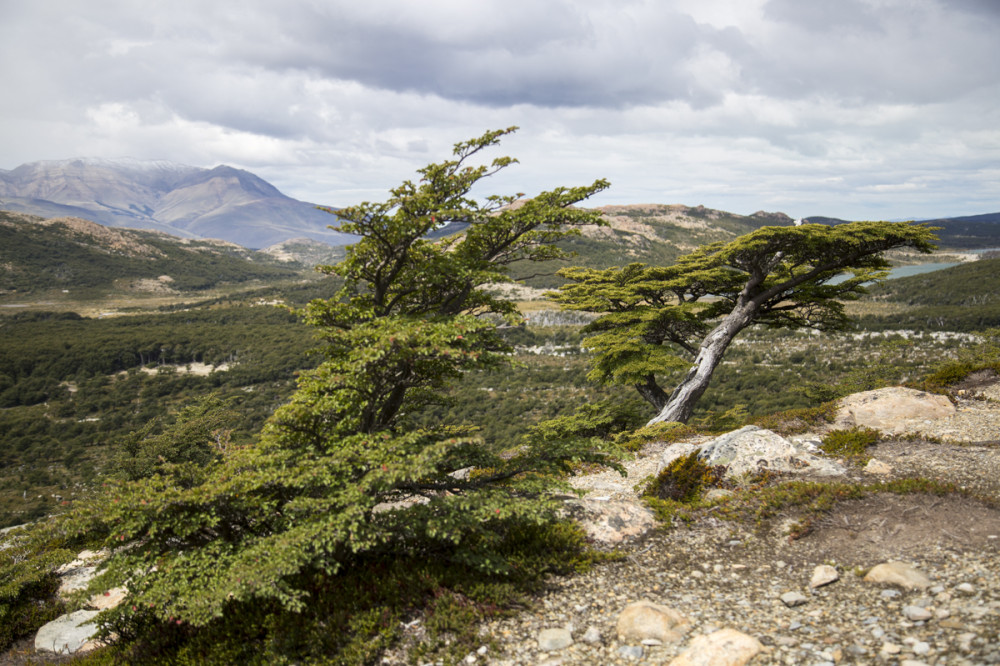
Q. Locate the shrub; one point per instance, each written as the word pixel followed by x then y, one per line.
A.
pixel 850 444
pixel 684 478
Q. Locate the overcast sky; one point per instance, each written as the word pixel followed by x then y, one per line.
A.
pixel 859 109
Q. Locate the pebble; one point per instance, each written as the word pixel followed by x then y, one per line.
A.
pixel 917 613
pixel 793 599
pixel 631 651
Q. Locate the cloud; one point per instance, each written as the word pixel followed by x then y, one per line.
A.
pixel 831 108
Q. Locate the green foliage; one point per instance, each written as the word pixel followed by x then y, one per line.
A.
pixel 851 444
pixel 658 320
pixel 878 371
pixel 604 420
pixel 27 584
pixel 684 479
pixel 669 432
pixel 336 480
pixel 201 434
pixel 799 420
pixel 984 355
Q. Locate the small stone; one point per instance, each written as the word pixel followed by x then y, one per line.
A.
pixel 889 594
pixel 942 614
pixel 550 640
pixel 898 573
pixel 644 619
pixel 921 648
pixel 793 599
pixel 631 651
pixel 890 648
pixel 878 632
pixel 592 636
pixel 651 642
pixel 482 650
pixel 822 575
pixel 951 623
pixel 794 625
pixel 911 662
pixel 877 467
pixel 965 588
pixel 726 647
pixel 917 613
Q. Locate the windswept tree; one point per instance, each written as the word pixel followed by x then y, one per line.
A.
pixel 656 321
pixel 253 543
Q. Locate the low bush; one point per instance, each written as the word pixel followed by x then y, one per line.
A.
pixel 850 444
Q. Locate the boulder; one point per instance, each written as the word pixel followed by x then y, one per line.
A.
pixel 725 647
pixel 898 573
pixel 68 634
pixel 611 522
pixel 892 410
pixel 645 620
pixel 751 449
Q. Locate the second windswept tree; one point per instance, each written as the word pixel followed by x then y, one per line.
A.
pixel 661 320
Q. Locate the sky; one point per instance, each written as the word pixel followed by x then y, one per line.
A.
pixel 857 109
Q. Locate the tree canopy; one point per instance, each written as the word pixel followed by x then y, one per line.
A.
pixel 337 475
pixel 658 320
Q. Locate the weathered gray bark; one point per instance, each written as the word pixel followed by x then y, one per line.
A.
pixel 682 401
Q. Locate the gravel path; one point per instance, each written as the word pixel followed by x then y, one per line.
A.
pixel 722 574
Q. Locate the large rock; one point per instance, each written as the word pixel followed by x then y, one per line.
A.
pixel 751 449
pixel 725 647
pixel 68 634
pixel 611 522
pixel 892 410
pixel 645 620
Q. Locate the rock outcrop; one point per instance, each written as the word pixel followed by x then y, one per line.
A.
pixel 751 449
pixel 892 410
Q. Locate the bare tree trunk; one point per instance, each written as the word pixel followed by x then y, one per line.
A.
pixel 652 392
pixel 713 348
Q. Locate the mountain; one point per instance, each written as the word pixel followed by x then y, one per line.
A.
pixel 225 203
pixel 77 255
pixel 969 232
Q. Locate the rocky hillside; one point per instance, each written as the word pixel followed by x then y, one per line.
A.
pixel 648 233
pixel 223 202
pixel 39 254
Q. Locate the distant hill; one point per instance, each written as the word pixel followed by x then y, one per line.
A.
pixel 38 254
pixel 970 232
pixel 225 203
pixel 962 298
pixel 647 233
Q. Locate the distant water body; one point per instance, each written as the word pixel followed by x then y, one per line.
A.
pixel 906 271
pixel 917 269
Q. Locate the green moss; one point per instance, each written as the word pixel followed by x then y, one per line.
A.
pixel 850 444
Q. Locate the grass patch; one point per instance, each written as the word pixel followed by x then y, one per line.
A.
pixel 850 444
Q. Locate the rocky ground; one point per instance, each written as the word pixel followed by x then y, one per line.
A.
pixel 723 574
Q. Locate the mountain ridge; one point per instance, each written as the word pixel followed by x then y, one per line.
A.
pixel 222 202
